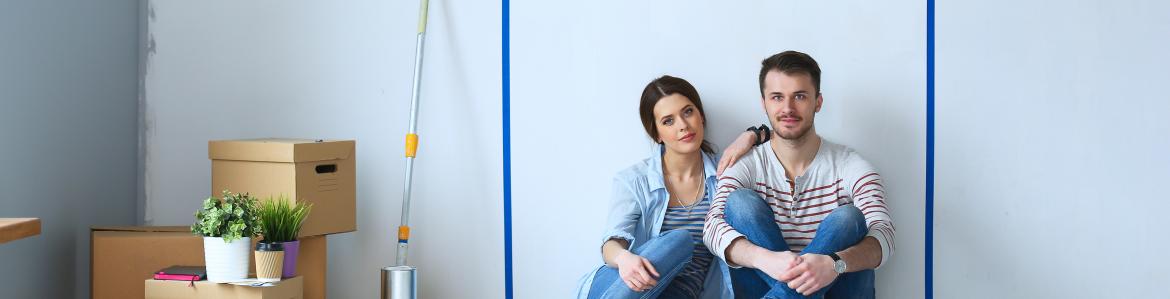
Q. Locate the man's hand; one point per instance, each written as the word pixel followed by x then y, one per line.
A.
pixel 636 271
pixel 776 264
pixel 738 148
pixel 814 272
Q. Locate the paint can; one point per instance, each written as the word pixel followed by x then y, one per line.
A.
pixel 398 282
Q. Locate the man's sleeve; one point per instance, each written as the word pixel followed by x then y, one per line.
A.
pixel 869 196
pixel 717 233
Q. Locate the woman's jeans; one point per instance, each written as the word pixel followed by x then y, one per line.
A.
pixel 844 227
pixel 669 253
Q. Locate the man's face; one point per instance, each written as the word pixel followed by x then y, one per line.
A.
pixel 791 102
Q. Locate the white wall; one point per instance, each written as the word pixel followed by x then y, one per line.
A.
pixel 229 69
pixel 1051 149
pixel 68 138
pixel 578 69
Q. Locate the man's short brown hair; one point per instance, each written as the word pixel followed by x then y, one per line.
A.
pixel 791 62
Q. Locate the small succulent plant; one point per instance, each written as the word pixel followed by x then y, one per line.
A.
pixel 281 220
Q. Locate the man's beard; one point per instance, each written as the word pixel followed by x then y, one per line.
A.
pixel 800 134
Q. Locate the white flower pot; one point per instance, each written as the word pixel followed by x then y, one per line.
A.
pixel 226 262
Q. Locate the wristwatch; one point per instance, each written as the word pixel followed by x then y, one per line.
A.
pixel 838 263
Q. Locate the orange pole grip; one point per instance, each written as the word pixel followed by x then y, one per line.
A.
pixel 411 145
pixel 403 233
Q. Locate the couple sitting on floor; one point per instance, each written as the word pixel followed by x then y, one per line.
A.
pixel 783 214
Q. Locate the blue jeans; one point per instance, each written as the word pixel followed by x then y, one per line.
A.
pixel 845 226
pixel 669 253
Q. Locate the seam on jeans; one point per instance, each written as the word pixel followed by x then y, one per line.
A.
pixel 673 273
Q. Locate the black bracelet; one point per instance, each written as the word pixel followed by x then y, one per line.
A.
pixel 765 134
pixel 762 134
pixel 755 131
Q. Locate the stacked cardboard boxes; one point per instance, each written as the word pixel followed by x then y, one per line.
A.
pixel 317 171
pixel 123 257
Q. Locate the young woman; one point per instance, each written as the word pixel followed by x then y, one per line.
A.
pixel 654 246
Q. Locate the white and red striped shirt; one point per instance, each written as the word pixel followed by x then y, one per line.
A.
pixel 836 176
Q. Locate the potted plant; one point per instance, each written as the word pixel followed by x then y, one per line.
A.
pixel 281 222
pixel 227 226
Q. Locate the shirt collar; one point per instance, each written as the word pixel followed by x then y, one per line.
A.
pixel 654 172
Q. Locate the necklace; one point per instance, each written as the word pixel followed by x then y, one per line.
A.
pixel 698 198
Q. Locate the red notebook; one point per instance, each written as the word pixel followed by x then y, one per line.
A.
pixel 184 273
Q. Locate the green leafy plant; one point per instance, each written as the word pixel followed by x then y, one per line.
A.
pixel 231 218
pixel 281 221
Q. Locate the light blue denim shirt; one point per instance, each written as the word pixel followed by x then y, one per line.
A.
pixel 637 208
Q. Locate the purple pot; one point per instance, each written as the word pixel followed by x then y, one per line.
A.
pixel 291 250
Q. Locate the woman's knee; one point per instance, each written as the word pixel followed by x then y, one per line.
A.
pixel 676 238
pixel 673 247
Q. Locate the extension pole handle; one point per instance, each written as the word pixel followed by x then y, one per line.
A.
pixel 412 136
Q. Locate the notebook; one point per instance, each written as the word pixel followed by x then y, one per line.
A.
pixel 185 273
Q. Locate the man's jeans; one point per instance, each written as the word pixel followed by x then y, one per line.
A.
pixel 669 253
pixel 845 226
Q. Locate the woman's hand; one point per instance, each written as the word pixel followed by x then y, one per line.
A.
pixel 738 148
pixel 636 271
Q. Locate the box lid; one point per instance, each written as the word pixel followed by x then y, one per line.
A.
pixel 280 150
pixel 142 228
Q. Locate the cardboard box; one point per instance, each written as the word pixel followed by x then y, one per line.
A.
pixel 171 289
pixel 320 172
pixel 311 265
pixel 122 257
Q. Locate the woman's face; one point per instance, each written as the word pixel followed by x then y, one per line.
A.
pixel 679 124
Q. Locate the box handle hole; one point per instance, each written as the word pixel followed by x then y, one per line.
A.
pixel 327 168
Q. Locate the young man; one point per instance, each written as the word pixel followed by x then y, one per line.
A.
pixel 799 216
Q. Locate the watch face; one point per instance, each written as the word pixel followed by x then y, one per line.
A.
pixel 839 266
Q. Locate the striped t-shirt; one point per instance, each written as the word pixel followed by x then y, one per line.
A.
pixel 690 280
pixel 836 176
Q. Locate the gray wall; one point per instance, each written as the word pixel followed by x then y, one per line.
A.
pixel 68 136
pixel 242 69
pixel 1051 149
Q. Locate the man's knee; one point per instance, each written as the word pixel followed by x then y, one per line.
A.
pixel 846 219
pixel 746 204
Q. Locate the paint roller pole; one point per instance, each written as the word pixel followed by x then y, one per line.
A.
pixel 399 281
pixel 412 137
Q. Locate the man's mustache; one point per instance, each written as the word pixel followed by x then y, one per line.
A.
pixel 782 117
